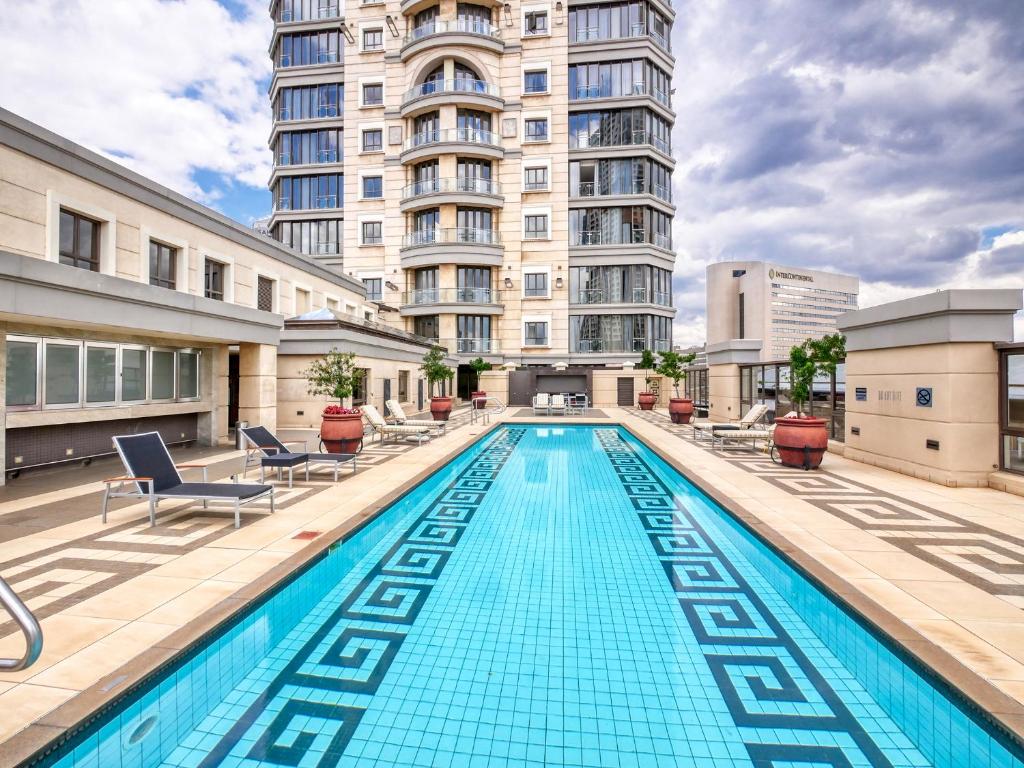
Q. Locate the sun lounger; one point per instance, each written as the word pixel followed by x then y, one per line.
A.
pixel 558 404
pixel 754 415
pixel 542 403
pixel 394 430
pixel 153 475
pixel 274 453
pixel 719 438
pixel 396 410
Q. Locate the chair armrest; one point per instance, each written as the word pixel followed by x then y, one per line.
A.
pixel 190 466
pixel 127 479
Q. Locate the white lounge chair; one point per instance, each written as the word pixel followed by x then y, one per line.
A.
pixel 396 410
pixel 754 415
pixel 721 437
pixel 542 402
pixel 558 404
pixel 384 429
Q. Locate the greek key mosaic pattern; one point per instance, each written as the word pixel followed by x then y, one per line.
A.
pixel 772 689
pixel 985 557
pixel 58 577
pixel 310 709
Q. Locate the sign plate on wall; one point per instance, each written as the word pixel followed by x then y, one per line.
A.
pixel 861 393
pixel 924 397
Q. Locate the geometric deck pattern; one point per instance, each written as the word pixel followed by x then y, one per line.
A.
pixel 55 578
pixel 984 557
pixel 769 684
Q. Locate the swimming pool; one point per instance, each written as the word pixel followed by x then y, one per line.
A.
pixel 554 596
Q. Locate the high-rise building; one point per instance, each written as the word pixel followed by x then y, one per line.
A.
pixel 782 306
pixel 499 176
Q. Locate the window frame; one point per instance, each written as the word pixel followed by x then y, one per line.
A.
pixel 374 83
pixel 95 259
pixel 535 270
pixel 546 322
pixel 56 341
pixel 362 232
pixel 537 166
pixel 541 68
pixel 527 120
pixel 533 10
pixel 175 255
pixel 371 29
pixel 363 132
pixel 87 345
pixel 120 373
pixel 38 342
pixel 362 185
pixel 527 216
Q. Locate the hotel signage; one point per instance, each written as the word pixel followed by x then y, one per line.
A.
pixel 773 273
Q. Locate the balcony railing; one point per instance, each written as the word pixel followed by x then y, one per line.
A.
pixel 618 346
pixel 468 184
pixel 585 92
pixel 619 139
pixel 467 26
pixel 422 296
pixel 323 12
pixel 633 237
pixel 322 57
pixel 458 85
pixel 636 30
pixel 593 189
pixel 325 248
pixel 284 114
pixel 469 346
pixel 321 201
pixel 322 156
pixel 452 235
pixel 463 135
pixel 638 295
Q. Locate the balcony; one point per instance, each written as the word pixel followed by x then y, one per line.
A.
pixel 459 32
pixel 434 301
pixel 320 157
pixel 639 88
pixel 599 296
pixel 463 141
pixel 284 61
pixel 620 346
pixel 598 140
pixel 461 91
pixel 455 245
pixel 637 31
pixel 461 190
pixel 633 237
pixel 588 189
pixel 322 112
pixel 467 346
pixel 287 16
pixel 322 202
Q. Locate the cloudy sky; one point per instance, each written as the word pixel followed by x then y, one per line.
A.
pixel 880 137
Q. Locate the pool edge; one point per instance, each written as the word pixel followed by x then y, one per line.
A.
pixel 34 742
pixel 1000 711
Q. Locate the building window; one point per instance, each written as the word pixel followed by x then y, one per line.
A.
pixel 536 179
pixel 536 129
pixel 403 386
pixel 373 39
pixel 214 280
pixel 188 375
pixel 62 384
pixel 373 187
pixel 372 233
pixel 373 140
pixel 373 94
pixel 535 81
pixel 161 385
pixel 535 285
pixel 359 376
pixel 163 263
pixel 79 241
pixel 134 368
pixel 374 288
pixel 536 23
pixel 22 373
pixel 536 334
pixel 536 226
pixel 265 294
pixel 100 373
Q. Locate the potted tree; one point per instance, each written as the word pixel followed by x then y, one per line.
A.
pixel 333 375
pixel 646 399
pixel 803 439
pixel 436 372
pixel 479 366
pixel 672 366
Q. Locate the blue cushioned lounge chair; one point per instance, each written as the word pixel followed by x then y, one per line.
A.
pixel 274 453
pixel 153 475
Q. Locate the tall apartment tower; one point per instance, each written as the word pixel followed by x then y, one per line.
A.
pixel 498 175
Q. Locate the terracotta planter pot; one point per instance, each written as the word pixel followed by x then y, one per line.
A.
pixel 341 432
pixel 646 400
pixel 440 408
pixel 680 409
pixel 801 441
pixel 475 395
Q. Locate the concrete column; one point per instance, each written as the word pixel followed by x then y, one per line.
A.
pixel 724 359
pixel 257 384
pixel 922 384
pixel 213 426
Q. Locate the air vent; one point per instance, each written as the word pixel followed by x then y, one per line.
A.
pixel 854 430
pixel 931 445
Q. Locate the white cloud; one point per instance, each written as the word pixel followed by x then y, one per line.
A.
pixel 167 88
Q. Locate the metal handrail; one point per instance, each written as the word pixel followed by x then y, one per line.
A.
pixel 29 626
pixel 484 413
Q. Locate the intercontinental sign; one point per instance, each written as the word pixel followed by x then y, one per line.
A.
pixel 772 274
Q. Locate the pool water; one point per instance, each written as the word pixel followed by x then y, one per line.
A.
pixel 552 597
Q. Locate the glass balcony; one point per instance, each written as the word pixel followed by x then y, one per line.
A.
pixel 466 26
pixel 470 346
pixel 452 235
pixel 458 85
pixel 635 31
pixel 594 189
pixel 605 91
pixel 447 135
pixel 631 237
pixel 588 296
pixel 619 139
pixel 421 296
pixel 619 346
pixel 467 184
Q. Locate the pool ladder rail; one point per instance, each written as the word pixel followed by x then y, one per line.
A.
pixel 29 626
pixel 484 412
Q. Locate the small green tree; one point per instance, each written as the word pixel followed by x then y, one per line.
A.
pixel 813 358
pixel 479 366
pixel 647 365
pixel 333 375
pixel 434 369
pixel 673 366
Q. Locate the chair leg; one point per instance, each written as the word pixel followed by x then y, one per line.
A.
pixel 289 478
pixel 271 502
pixel 307 470
pixel 238 515
pixel 106 498
pixel 152 511
pixel 261 474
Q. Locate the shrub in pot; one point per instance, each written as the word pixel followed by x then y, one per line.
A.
pixel 479 366
pixel 646 399
pixel 341 428
pixel 435 372
pixel 802 440
pixel 672 367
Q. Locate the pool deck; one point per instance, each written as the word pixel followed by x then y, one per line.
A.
pixel 940 569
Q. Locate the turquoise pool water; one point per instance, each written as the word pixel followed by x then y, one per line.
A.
pixel 553 597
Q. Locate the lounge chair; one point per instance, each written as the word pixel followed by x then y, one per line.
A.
pixel 153 475
pixel 396 410
pixel 384 429
pixel 274 453
pixel 558 403
pixel 542 402
pixel 720 437
pixel 754 415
